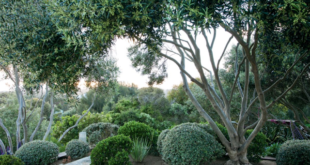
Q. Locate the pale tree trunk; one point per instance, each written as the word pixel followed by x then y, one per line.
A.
pixel 51 117
pixel 41 114
pixel 18 94
pixel 77 122
pixel 2 146
pixel 8 135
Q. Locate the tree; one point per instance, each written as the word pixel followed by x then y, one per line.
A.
pixel 154 24
pixel 36 53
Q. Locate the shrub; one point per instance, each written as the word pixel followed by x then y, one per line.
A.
pixel 190 144
pixel 121 158
pixel 138 130
pixel 257 147
pixel 61 126
pixel 77 149
pixel 105 130
pixel 108 148
pixel 135 129
pixel 10 160
pixel 61 146
pixel 38 152
pixel 273 149
pixel 140 149
pixel 95 137
pixel 160 139
pixel 294 152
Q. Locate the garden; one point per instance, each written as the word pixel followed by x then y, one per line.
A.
pixel 244 95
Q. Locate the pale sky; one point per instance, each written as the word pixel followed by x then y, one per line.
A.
pixel 128 74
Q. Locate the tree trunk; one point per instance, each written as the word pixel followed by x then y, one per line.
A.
pixel 41 115
pixel 8 135
pixel 2 146
pixel 237 158
pixel 51 118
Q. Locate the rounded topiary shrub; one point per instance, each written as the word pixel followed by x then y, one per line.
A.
pixel 108 148
pixel 101 130
pixel 135 129
pixel 160 139
pixel 257 147
pixel 77 149
pixel 38 152
pixel 10 160
pixel 294 152
pixel 121 158
pixel 95 137
pixel 185 144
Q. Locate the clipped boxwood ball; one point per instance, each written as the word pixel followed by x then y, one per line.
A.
pixel 121 158
pixel 190 145
pixel 38 152
pixel 77 149
pixel 10 160
pixel 108 148
pixel 138 130
pixel 294 152
pixel 160 139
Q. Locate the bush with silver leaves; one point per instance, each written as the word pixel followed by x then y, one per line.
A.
pixel 160 139
pixel 101 131
pixel 77 149
pixel 188 144
pixel 38 152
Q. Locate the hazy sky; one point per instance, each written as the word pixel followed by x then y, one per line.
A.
pixel 130 75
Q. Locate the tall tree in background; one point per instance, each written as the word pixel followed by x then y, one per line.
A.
pixel 37 54
pixel 155 24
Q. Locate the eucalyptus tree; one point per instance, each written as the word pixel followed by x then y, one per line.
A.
pixel 154 24
pixel 33 53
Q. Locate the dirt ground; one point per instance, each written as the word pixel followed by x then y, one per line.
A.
pixel 156 160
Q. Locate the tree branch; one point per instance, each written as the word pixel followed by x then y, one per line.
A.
pixel 41 114
pixel 288 89
pixel 77 122
pixel 7 134
pixel 51 117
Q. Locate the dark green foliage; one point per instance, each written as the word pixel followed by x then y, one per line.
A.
pixel 136 115
pixel 121 158
pixel 138 130
pixel 99 131
pixel 294 152
pixel 62 126
pixel 189 144
pixel 77 149
pixel 38 152
pixel 160 139
pixel 257 147
pixel 95 137
pixel 10 160
pixel 273 149
pixel 108 148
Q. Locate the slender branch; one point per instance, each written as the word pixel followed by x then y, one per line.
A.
pixel 217 79
pixel 2 146
pixel 51 117
pixel 213 39
pixel 178 45
pixel 236 79
pixel 41 114
pixel 250 126
pixel 77 122
pixel 286 73
pixel 7 134
pixel 288 89
pixel 223 53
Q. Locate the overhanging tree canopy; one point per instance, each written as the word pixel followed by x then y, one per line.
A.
pixel 153 24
